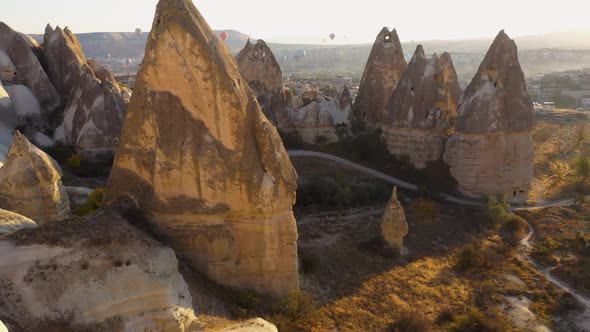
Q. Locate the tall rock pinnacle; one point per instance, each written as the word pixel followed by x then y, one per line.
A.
pixel 492 151
pixel 384 69
pixel 422 109
pixel 261 70
pixel 199 158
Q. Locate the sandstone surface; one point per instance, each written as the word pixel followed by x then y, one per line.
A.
pixel 11 222
pixel 260 69
pixel 30 183
pixel 492 151
pixel 394 226
pixel 422 109
pixel 202 162
pixel 385 67
pixel 97 274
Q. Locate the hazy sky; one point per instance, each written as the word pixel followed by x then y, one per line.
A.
pixel 310 21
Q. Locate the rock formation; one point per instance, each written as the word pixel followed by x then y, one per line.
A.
pixel 394 226
pixel 11 222
pixel 30 183
pixel 346 104
pixel 252 325
pixel 200 159
pixel 422 109
pixel 97 274
pixel 261 70
pixel 492 151
pixel 19 67
pixel 384 69
pixel 95 108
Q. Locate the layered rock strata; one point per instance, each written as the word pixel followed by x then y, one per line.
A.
pixel 491 152
pixel 207 169
pixel 422 109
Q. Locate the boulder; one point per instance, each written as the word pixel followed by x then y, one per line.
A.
pixel 252 325
pixel 394 226
pixel 93 274
pixel 202 162
pixel 385 67
pixel 30 183
pixel 20 66
pixel 491 151
pixel 261 70
pixel 11 222
pixel 422 109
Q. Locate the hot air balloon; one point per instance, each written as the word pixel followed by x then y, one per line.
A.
pixel 223 35
pixel 127 62
pixel 300 55
pixel 108 56
pixel 138 32
pixel 332 36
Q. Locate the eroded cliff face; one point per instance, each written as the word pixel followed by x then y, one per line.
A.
pixel 98 273
pixel 95 108
pixel 30 183
pixel 385 67
pixel 422 109
pixel 492 150
pixel 207 168
pixel 260 69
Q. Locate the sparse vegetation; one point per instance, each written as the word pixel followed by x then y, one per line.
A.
pixel 298 312
pixel 74 161
pixel 93 203
pixel 426 211
pixel 411 321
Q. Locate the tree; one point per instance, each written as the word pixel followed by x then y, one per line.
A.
pixel 582 166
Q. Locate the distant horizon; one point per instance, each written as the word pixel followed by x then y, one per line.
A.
pixel 311 22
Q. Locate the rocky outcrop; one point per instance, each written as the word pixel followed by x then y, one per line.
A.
pixel 252 325
pixel 20 67
pixel 11 222
pixel 384 69
pixel 95 109
pixel 261 70
pixel 422 109
pixel 492 150
pixel 95 274
pixel 30 183
pixel 394 226
pixel 208 169
pixel 346 104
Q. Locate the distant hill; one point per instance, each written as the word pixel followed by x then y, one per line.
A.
pixel 538 54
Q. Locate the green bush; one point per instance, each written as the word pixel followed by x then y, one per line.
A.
pixel 74 161
pixel 247 303
pixel 321 139
pixel 472 258
pixel 515 229
pixel 497 211
pixel 309 262
pixel 93 203
pixel 582 167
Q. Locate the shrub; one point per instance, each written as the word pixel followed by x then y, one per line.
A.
pixel 411 321
pixel 292 140
pixel 582 167
pixel 474 257
pixel 74 161
pixel 93 203
pixel 426 211
pixel 497 211
pixel 321 139
pixel 296 312
pixel 247 303
pixel 475 321
pixel 515 230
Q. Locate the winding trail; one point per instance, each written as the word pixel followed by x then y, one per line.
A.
pixel 582 321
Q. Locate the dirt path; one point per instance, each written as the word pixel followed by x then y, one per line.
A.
pixel 582 320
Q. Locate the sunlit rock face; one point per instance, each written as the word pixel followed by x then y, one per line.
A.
pixel 203 163
pixel 95 108
pixel 19 66
pixel 96 274
pixel 11 222
pixel 385 67
pixel 261 70
pixel 30 183
pixel 422 109
pixel 394 226
pixel 492 150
